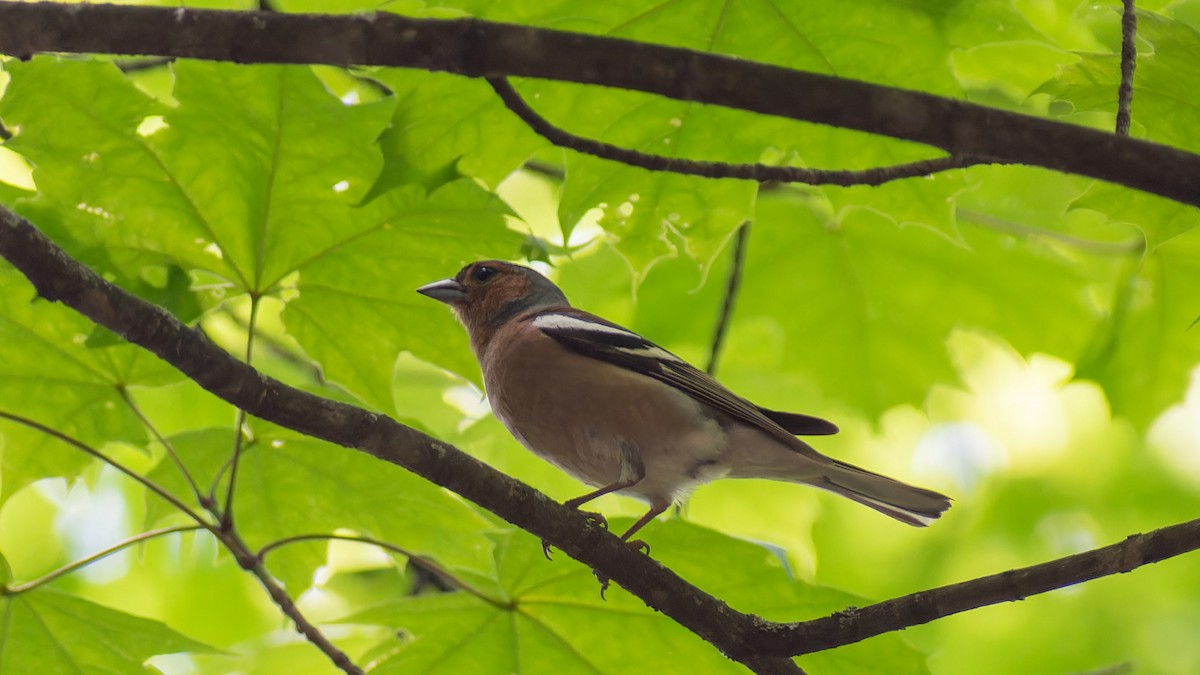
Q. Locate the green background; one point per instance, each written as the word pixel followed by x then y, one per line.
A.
pixel 1019 339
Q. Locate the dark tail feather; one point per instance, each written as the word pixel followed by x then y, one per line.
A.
pixel 906 503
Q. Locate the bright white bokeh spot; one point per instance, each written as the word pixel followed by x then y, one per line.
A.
pixel 92 520
pixel 341 186
pixel 1175 435
pixel 959 450
pixel 468 400
pixel 94 210
pixel 1067 532
pixel 1020 403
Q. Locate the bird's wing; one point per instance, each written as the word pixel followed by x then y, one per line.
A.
pixel 801 425
pixel 591 336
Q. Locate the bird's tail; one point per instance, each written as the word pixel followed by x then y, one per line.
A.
pixel 906 503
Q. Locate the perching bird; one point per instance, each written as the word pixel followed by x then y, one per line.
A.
pixel 624 415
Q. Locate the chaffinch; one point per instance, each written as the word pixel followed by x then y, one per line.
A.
pixel 624 415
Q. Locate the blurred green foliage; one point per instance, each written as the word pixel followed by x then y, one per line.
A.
pixel 1019 339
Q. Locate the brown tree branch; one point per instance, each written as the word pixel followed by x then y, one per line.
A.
pixel 852 625
pixel 705 169
pixel 58 277
pixel 1128 63
pixel 485 49
pixel 763 646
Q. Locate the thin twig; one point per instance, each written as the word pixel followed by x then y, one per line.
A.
pixel 277 347
pixel 1128 63
pixel 103 553
pixel 170 448
pixel 146 482
pixel 1133 246
pixel 254 565
pixel 227 536
pixel 424 563
pixel 545 169
pixel 238 433
pixel 731 291
pixel 691 167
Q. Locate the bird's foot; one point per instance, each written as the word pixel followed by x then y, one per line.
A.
pixel 593 518
pixel 603 579
pixel 637 545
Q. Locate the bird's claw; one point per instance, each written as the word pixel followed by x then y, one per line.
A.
pixel 639 546
pixel 603 579
pixel 595 519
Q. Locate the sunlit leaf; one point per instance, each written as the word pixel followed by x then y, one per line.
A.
pixel 358 305
pixel 292 485
pixel 550 616
pixel 48 631
pixel 49 374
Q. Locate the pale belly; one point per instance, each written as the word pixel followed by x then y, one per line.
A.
pixel 582 415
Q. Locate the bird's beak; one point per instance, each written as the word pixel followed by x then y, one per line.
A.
pixel 447 291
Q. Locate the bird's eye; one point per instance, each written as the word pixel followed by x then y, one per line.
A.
pixel 483 273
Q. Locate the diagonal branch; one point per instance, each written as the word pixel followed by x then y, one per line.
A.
pixel 763 646
pixel 58 277
pixel 852 625
pixel 705 169
pixel 486 49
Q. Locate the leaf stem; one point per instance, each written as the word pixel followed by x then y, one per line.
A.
pixel 424 563
pixel 187 475
pixel 254 565
pixel 239 435
pixel 225 534
pixel 103 553
pixel 731 291
pixel 146 482
pixel 1131 247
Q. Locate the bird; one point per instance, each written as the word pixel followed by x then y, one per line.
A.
pixel 623 415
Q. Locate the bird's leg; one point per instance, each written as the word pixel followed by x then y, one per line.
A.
pixel 631 472
pixel 656 510
pixel 637 544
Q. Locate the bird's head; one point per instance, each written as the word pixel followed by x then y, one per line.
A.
pixel 486 294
